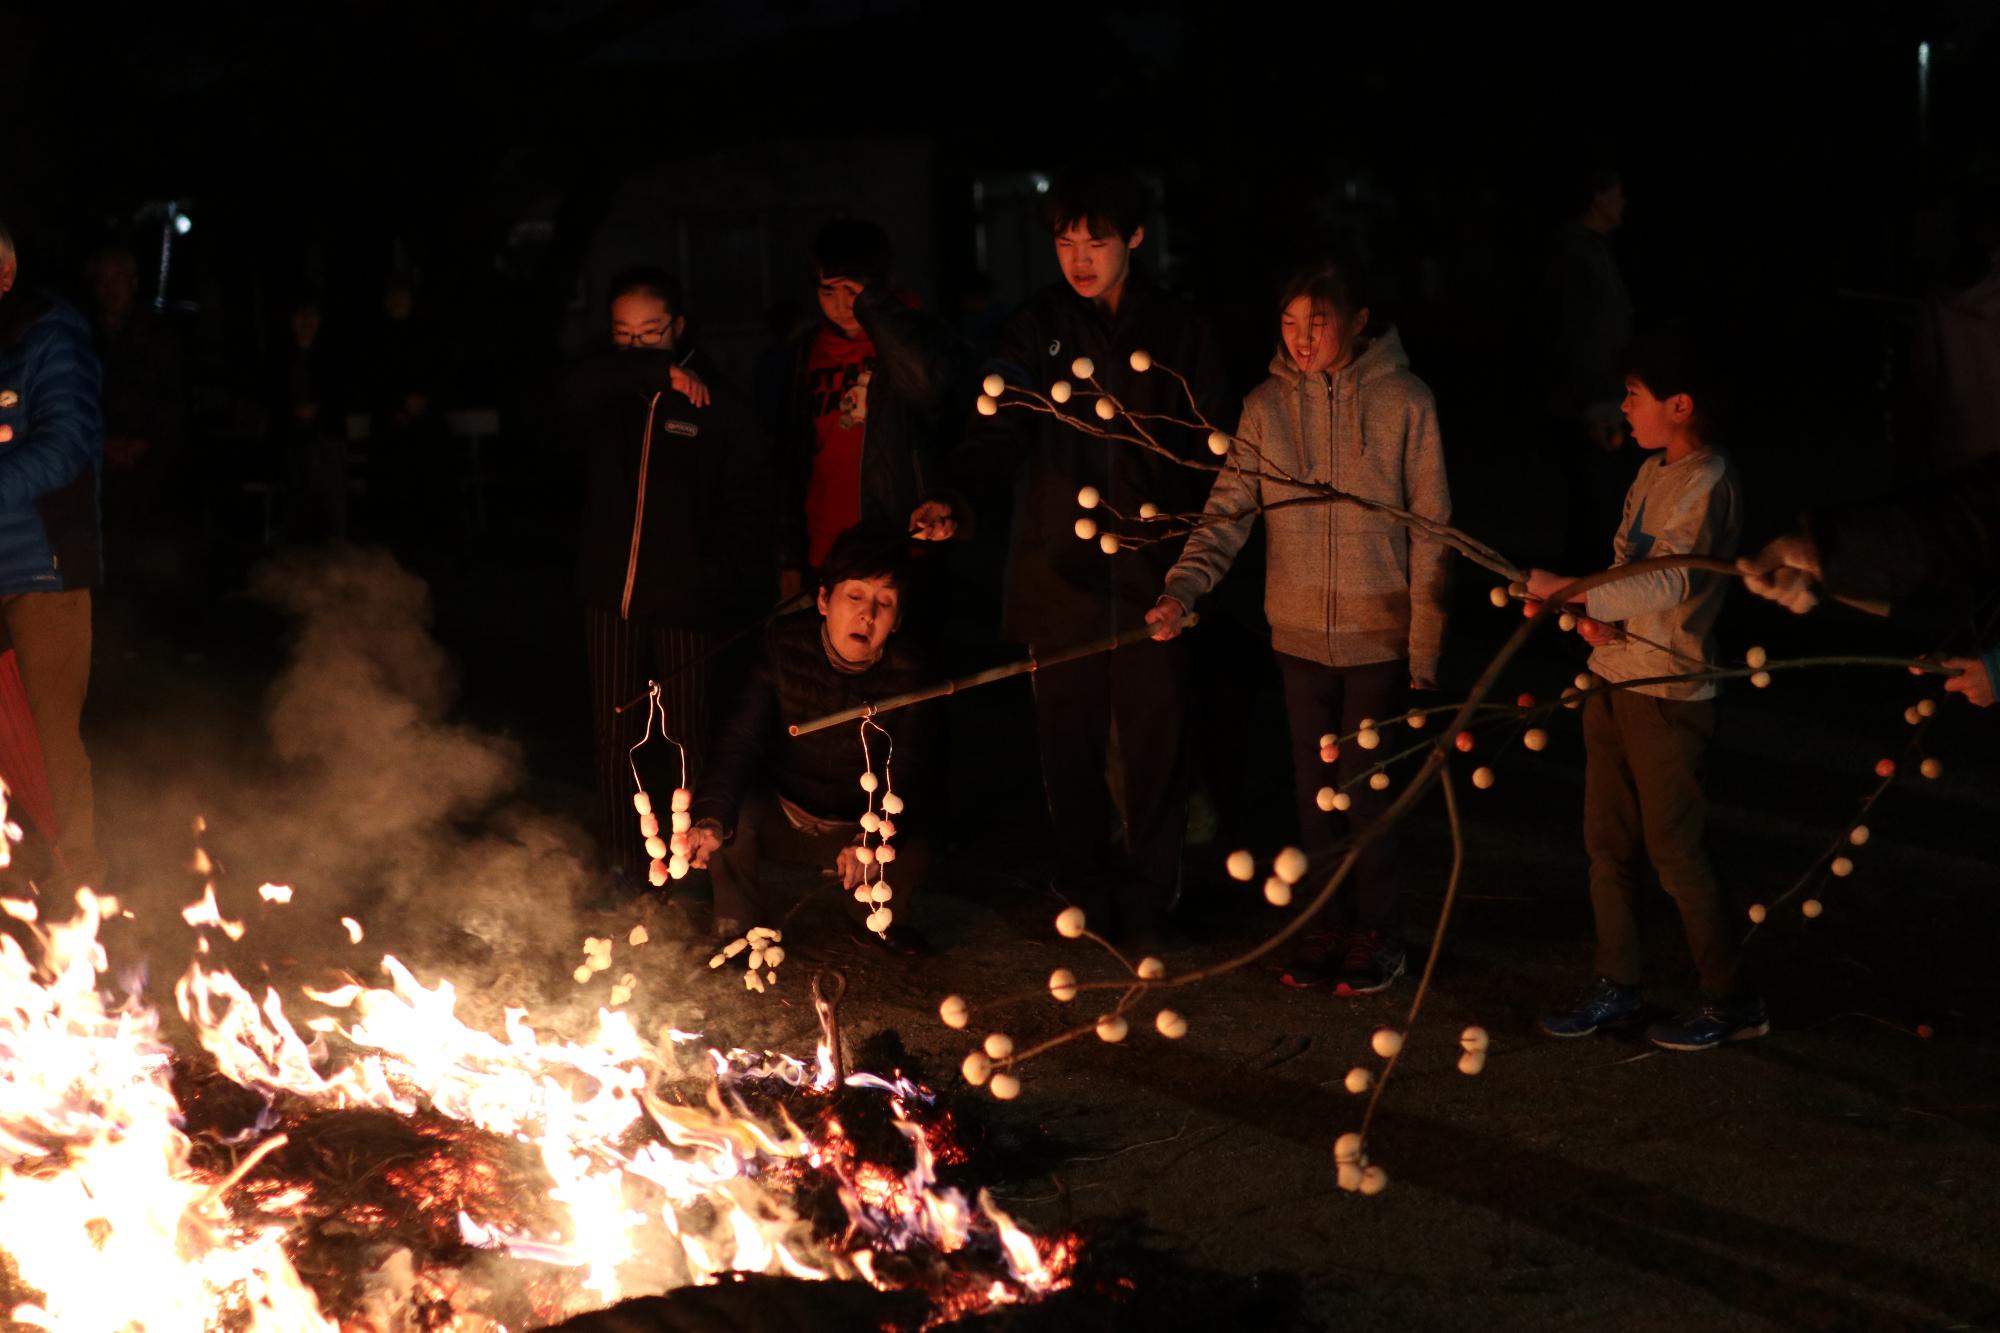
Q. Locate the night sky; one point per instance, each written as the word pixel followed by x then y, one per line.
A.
pixel 370 121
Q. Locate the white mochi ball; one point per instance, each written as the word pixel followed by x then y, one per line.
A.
pixel 1290 865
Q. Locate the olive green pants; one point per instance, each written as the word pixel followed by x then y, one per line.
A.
pixel 1642 801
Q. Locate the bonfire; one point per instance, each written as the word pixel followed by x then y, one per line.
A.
pixel 356 1158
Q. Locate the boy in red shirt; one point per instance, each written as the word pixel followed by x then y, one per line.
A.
pixel 873 385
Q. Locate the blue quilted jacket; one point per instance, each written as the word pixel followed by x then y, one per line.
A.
pixel 49 532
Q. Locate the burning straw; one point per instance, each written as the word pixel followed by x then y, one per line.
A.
pixel 400 1168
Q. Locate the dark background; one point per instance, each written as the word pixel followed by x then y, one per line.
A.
pixel 510 157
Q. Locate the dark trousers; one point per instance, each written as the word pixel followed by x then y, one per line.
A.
pixel 1642 799
pixel 1318 700
pixel 1141 688
pixel 765 836
pixel 624 655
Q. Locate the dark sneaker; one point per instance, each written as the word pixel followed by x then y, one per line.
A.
pixel 1603 1004
pixel 1372 963
pixel 1317 964
pixel 1718 1018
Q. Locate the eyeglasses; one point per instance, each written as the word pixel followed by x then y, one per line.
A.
pixel 640 337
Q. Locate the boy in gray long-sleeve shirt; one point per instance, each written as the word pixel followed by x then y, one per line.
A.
pixel 1644 743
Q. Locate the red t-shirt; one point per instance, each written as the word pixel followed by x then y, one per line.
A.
pixel 838 372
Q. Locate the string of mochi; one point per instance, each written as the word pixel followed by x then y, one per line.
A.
pixel 874 892
pixel 669 855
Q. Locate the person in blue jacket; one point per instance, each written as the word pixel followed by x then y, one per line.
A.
pixel 51 457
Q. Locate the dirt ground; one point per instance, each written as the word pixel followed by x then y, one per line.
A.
pixel 1841 1173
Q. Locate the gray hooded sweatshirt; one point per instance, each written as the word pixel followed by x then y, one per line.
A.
pixel 1346 587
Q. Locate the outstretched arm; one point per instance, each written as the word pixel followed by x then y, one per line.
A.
pixel 1226 523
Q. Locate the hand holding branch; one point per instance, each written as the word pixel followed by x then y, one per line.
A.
pixel 932 521
pixel 1973 680
pixel 1167 616
pixel 1784 572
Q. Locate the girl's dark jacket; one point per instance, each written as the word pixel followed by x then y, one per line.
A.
pixel 690 549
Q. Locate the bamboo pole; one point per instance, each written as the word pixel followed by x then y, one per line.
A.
pixel 986 677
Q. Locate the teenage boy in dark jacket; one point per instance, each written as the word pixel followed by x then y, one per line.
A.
pixel 51 456
pixel 1061 590
pixel 871 388
pixel 672 540
pixel 769 796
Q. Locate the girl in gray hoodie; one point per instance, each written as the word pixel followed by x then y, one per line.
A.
pixel 1356 600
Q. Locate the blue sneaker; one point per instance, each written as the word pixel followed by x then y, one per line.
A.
pixel 1718 1018
pixel 1603 1004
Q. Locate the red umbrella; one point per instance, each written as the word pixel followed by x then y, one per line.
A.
pixel 21 751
